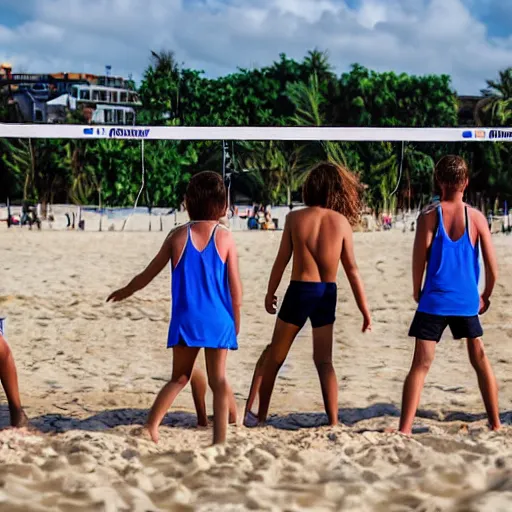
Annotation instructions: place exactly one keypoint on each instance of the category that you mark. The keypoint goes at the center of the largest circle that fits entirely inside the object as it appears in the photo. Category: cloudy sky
(469, 39)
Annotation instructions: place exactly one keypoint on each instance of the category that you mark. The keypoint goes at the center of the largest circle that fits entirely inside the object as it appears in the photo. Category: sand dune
(89, 371)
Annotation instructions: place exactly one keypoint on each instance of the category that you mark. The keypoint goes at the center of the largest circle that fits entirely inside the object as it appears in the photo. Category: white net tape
(22, 131)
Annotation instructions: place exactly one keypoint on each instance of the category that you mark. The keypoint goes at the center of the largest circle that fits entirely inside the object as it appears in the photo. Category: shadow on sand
(56, 423)
(103, 420)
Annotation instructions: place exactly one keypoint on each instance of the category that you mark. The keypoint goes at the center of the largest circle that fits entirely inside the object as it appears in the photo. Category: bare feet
(202, 421)
(233, 417)
(392, 430)
(146, 432)
(18, 418)
(153, 432)
(233, 420)
(251, 420)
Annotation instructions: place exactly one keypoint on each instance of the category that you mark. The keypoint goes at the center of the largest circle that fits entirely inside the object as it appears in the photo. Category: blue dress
(202, 310)
(451, 284)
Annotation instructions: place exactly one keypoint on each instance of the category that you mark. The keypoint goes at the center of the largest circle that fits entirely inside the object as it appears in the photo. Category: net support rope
(143, 184)
(315, 133)
(143, 178)
(400, 170)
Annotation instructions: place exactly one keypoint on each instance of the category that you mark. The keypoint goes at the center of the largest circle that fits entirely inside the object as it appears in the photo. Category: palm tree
(160, 88)
(317, 63)
(164, 62)
(20, 160)
(277, 165)
(496, 106)
(308, 101)
(408, 163)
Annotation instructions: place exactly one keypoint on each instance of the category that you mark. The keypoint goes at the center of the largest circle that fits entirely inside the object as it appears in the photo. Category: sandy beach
(89, 371)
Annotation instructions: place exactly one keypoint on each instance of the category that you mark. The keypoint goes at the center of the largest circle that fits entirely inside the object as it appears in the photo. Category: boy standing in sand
(447, 244)
(9, 378)
(206, 299)
(318, 237)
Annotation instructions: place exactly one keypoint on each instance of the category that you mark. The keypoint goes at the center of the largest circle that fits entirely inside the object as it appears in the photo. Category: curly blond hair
(333, 186)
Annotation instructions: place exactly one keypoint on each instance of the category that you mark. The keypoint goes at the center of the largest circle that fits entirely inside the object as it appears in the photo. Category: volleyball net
(257, 133)
(108, 166)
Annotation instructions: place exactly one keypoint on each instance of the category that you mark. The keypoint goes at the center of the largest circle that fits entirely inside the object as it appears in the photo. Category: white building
(109, 105)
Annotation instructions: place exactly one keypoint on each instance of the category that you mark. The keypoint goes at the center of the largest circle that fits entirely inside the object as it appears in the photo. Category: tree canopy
(286, 93)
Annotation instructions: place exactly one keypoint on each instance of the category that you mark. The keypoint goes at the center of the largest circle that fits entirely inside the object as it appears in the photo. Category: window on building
(85, 94)
(107, 113)
(123, 97)
(119, 116)
(113, 96)
(103, 95)
(95, 95)
(130, 118)
(38, 116)
(74, 92)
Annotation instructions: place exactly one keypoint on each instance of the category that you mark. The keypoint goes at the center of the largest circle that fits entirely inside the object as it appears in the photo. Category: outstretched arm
(348, 260)
(235, 283)
(490, 263)
(141, 280)
(282, 259)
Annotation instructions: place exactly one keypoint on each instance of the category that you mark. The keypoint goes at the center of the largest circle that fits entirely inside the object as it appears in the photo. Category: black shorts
(431, 327)
(303, 300)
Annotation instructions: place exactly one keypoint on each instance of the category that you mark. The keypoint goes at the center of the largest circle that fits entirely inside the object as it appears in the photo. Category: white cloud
(417, 36)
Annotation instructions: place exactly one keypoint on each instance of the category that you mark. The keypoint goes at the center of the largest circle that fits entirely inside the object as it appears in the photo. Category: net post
(101, 210)
(8, 213)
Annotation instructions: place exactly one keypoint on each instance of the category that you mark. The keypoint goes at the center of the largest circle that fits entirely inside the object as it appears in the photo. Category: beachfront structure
(99, 104)
(48, 98)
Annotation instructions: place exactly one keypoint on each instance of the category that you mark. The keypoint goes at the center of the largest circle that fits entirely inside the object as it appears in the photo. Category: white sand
(89, 371)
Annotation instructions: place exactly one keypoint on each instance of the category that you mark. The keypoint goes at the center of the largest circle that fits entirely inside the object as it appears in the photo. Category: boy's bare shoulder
(427, 220)
(477, 216)
(428, 216)
(430, 209)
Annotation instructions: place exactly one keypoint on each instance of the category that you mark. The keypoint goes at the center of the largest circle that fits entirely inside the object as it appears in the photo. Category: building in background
(53, 98)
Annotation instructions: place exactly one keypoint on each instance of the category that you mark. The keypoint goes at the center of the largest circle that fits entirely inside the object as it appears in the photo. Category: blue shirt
(202, 309)
(451, 283)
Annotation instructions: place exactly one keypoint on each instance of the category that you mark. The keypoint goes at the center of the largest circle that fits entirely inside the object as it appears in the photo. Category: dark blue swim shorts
(303, 300)
(431, 327)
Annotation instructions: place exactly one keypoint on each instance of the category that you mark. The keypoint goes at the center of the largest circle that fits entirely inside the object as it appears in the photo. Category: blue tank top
(202, 309)
(453, 270)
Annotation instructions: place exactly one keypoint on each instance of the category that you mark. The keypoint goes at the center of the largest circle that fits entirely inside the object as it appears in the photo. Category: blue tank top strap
(468, 225)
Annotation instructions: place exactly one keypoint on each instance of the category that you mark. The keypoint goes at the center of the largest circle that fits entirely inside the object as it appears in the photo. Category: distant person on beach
(25, 213)
(260, 216)
(269, 222)
(317, 237)
(9, 378)
(447, 243)
(252, 221)
(206, 299)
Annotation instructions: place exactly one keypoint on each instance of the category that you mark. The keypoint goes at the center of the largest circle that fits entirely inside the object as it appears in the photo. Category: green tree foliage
(285, 93)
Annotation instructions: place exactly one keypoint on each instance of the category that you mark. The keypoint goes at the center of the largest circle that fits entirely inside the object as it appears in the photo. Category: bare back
(200, 234)
(317, 236)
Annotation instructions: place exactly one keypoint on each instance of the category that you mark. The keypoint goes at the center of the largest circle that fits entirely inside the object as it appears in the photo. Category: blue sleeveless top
(202, 311)
(451, 284)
